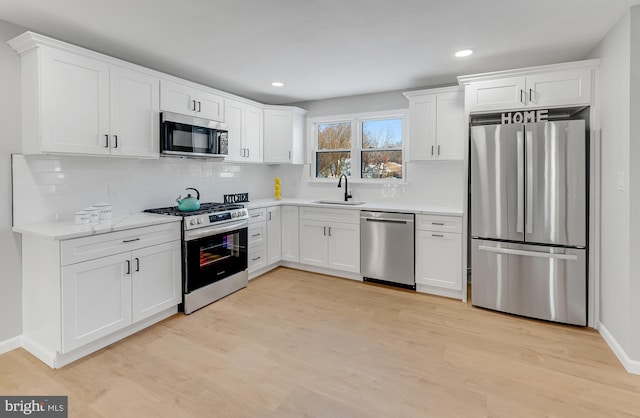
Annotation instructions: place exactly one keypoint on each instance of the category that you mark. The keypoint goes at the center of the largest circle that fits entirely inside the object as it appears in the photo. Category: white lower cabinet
(274, 234)
(439, 252)
(330, 238)
(257, 239)
(290, 237)
(85, 293)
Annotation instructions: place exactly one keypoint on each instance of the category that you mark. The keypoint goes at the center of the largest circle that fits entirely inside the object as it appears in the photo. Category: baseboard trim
(630, 365)
(10, 344)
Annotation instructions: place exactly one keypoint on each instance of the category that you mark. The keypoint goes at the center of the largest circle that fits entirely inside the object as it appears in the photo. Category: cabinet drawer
(257, 215)
(102, 245)
(257, 257)
(256, 233)
(349, 216)
(439, 223)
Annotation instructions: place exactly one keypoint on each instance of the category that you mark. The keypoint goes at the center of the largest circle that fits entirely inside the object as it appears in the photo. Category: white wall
(633, 185)
(10, 276)
(620, 242)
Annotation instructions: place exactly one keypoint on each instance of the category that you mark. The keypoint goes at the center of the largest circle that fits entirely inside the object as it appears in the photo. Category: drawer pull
(437, 223)
(437, 235)
(255, 235)
(257, 215)
(131, 240)
(256, 259)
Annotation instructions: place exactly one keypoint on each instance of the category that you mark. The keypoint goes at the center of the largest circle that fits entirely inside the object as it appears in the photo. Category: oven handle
(214, 230)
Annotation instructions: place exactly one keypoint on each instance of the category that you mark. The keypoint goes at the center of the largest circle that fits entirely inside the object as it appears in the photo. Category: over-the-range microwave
(189, 136)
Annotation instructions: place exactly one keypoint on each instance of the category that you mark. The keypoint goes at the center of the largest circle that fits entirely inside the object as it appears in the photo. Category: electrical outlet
(621, 180)
(113, 190)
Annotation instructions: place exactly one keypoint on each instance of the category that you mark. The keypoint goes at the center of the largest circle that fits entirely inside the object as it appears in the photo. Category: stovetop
(204, 209)
(208, 214)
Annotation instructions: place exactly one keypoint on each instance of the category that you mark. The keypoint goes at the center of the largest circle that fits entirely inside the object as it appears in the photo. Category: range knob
(234, 215)
(200, 220)
(192, 222)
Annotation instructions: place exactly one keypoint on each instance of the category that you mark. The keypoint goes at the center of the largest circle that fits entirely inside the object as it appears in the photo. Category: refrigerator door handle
(511, 251)
(529, 176)
(520, 184)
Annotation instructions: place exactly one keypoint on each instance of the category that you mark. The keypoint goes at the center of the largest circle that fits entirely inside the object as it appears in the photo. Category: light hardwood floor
(297, 344)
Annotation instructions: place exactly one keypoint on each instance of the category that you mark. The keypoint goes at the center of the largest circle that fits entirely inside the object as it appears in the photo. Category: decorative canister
(94, 213)
(82, 217)
(105, 210)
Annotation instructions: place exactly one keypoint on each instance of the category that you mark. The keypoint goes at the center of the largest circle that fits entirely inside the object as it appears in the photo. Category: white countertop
(68, 229)
(418, 208)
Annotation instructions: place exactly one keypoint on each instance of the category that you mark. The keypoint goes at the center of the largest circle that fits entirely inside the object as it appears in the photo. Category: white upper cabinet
(436, 126)
(567, 84)
(189, 100)
(284, 134)
(245, 125)
(76, 103)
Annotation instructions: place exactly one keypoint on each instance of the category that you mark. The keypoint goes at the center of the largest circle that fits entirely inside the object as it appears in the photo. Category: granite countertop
(62, 230)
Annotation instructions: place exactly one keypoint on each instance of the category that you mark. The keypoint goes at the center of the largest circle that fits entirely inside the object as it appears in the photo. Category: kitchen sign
(524, 117)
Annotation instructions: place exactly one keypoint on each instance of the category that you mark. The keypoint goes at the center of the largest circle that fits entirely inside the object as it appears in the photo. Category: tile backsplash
(47, 188)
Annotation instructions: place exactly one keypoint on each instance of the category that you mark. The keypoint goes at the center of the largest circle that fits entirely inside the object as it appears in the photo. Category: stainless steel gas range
(214, 252)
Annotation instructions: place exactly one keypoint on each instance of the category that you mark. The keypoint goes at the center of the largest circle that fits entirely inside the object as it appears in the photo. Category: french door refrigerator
(529, 219)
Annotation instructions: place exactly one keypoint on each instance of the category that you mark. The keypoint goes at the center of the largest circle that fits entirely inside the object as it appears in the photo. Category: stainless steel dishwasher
(387, 248)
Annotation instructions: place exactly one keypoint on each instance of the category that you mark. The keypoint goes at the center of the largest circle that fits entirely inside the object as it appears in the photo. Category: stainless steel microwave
(188, 136)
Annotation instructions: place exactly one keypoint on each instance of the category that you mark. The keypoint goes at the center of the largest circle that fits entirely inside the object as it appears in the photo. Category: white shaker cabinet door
(134, 113)
(290, 239)
(278, 136)
(422, 139)
(274, 234)
(313, 243)
(439, 259)
(177, 98)
(157, 279)
(502, 94)
(96, 299)
(235, 114)
(75, 104)
(450, 122)
(209, 106)
(253, 133)
(344, 247)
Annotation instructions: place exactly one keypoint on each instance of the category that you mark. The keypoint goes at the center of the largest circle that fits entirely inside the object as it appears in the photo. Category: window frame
(356, 120)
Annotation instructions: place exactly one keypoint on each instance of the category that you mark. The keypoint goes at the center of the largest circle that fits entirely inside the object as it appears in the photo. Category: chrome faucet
(347, 195)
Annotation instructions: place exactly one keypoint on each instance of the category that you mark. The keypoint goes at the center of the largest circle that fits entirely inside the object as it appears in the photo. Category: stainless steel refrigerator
(529, 219)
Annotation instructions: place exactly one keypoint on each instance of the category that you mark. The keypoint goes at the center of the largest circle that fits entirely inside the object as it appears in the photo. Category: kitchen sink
(339, 202)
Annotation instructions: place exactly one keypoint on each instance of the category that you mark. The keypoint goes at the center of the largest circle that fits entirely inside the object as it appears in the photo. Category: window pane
(385, 133)
(333, 164)
(381, 164)
(334, 135)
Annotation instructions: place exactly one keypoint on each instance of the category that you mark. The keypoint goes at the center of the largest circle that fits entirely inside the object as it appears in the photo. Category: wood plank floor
(297, 344)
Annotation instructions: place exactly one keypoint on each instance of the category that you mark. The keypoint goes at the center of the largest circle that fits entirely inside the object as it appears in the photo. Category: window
(381, 155)
(365, 146)
(333, 157)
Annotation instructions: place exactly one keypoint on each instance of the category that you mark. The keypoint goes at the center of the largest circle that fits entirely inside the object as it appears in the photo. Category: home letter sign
(525, 117)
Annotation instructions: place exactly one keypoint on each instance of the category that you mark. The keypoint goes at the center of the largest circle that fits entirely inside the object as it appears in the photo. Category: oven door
(212, 254)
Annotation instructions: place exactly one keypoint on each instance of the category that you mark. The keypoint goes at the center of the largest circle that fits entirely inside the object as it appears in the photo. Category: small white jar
(82, 217)
(94, 213)
(105, 210)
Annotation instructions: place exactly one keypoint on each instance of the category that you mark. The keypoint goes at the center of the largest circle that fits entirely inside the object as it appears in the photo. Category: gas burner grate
(211, 207)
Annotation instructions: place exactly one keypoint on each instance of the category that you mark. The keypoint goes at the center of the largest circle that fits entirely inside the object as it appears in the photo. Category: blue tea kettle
(189, 203)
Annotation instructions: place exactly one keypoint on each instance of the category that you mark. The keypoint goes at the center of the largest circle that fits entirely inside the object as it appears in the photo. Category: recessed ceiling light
(464, 53)
(277, 84)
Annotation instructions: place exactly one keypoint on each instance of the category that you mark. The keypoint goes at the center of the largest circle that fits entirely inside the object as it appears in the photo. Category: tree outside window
(333, 157)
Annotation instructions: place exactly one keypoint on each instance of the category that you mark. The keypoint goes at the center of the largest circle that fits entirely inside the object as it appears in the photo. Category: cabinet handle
(531, 96)
(432, 150)
(137, 264)
(269, 215)
(194, 105)
(255, 235)
(199, 107)
(329, 231)
(437, 223)
(256, 259)
(131, 240)
(115, 137)
(128, 267)
(257, 215)
(248, 153)
(438, 149)
(289, 154)
(106, 137)
(437, 235)
(521, 96)
(325, 231)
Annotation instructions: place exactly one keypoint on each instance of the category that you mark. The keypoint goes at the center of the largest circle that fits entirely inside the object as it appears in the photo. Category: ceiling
(324, 48)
